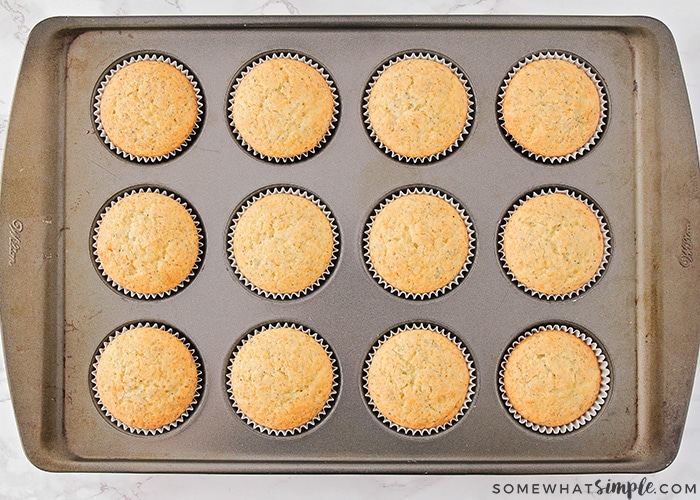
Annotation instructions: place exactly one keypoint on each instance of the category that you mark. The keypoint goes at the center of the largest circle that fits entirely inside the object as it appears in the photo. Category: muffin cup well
(607, 242)
(283, 55)
(602, 94)
(150, 189)
(591, 412)
(97, 99)
(319, 416)
(471, 389)
(297, 192)
(432, 191)
(456, 70)
(188, 411)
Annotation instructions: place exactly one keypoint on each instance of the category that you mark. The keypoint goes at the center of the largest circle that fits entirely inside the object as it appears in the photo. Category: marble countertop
(20, 479)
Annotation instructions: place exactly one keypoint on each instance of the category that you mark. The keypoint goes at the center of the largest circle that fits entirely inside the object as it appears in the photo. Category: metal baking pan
(643, 173)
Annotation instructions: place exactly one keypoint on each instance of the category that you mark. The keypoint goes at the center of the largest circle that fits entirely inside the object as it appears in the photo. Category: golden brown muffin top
(147, 243)
(552, 378)
(146, 378)
(553, 244)
(418, 379)
(283, 108)
(418, 243)
(148, 108)
(551, 107)
(418, 107)
(283, 243)
(281, 378)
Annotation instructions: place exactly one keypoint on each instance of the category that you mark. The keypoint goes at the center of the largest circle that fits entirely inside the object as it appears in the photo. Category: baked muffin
(418, 379)
(281, 378)
(551, 377)
(551, 107)
(553, 244)
(418, 108)
(148, 108)
(418, 243)
(147, 243)
(146, 378)
(282, 243)
(283, 107)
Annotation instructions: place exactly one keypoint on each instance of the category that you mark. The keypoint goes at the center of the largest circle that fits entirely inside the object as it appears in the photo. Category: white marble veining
(20, 479)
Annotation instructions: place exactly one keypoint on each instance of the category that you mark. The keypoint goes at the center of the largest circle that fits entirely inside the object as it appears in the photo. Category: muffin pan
(642, 173)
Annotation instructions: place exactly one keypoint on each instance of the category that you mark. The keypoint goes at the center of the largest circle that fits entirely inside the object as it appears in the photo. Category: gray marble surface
(20, 479)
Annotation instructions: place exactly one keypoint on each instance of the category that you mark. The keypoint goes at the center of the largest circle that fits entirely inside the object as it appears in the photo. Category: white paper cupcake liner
(284, 55)
(131, 293)
(605, 382)
(602, 94)
(428, 190)
(470, 110)
(471, 389)
(188, 411)
(297, 192)
(319, 416)
(148, 57)
(607, 242)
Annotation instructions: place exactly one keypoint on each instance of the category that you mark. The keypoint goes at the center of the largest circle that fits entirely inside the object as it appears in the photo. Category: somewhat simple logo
(16, 227)
(686, 257)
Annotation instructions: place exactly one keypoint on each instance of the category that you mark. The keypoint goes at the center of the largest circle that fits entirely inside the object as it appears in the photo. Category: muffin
(552, 377)
(148, 108)
(146, 378)
(147, 243)
(283, 107)
(552, 107)
(418, 379)
(283, 243)
(418, 107)
(282, 379)
(554, 244)
(419, 243)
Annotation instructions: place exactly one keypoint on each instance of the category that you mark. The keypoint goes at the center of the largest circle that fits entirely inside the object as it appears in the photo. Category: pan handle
(668, 246)
(31, 223)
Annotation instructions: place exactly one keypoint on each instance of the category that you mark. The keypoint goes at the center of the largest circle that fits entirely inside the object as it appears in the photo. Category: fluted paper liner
(607, 242)
(428, 190)
(200, 252)
(293, 191)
